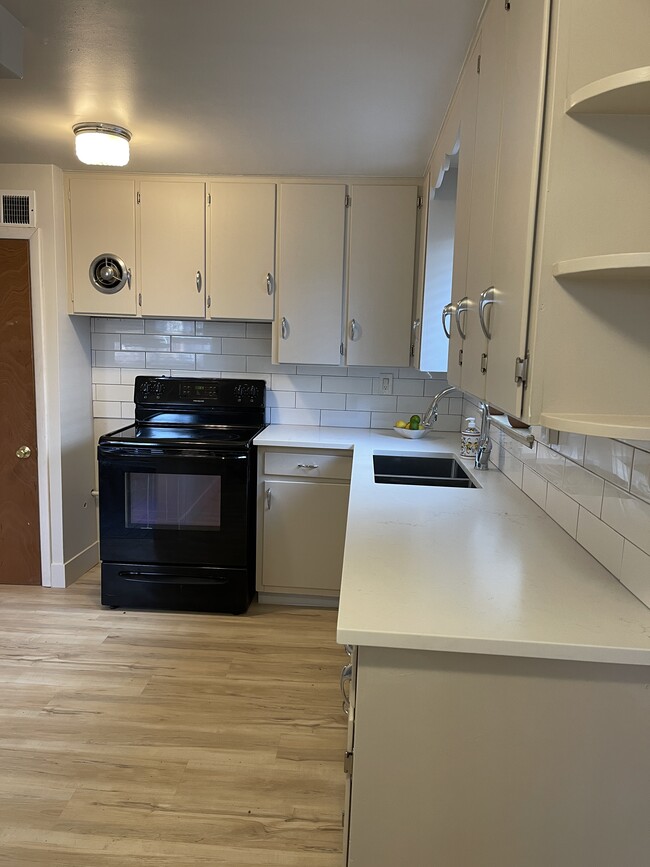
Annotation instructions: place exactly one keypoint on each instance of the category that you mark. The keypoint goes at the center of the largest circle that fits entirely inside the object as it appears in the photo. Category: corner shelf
(629, 427)
(618, 266)
(623, 93)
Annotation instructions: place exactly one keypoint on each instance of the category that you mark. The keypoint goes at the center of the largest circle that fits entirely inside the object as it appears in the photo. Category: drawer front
(310, 465)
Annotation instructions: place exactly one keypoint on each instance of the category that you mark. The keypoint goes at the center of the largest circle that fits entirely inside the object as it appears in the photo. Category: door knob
(23, 452)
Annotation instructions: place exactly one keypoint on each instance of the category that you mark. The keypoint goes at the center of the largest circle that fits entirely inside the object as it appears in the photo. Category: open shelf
(619, 266)
(623, 93)
(630, 427)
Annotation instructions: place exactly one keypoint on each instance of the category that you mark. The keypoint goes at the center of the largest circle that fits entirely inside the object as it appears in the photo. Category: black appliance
(177, 497)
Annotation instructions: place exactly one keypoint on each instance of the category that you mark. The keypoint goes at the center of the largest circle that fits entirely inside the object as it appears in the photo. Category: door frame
(45, 510)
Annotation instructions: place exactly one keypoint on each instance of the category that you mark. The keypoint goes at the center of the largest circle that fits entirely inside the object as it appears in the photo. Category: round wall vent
(108, 273)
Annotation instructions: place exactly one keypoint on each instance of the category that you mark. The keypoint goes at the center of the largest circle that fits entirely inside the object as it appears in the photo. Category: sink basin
(439, 471)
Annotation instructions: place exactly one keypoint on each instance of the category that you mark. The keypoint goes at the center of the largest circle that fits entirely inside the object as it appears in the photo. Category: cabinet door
(380, 274)
(304, 535)
(311, 231)
(172, 248)
(241, 265)
(484, 183)
(101, 221)
(526, 27)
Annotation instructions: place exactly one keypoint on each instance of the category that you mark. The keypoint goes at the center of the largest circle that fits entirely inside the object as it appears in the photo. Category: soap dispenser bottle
(469, 439)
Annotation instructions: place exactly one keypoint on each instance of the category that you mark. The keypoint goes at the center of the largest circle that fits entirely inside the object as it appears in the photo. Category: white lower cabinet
(303, 504)
(468, 760)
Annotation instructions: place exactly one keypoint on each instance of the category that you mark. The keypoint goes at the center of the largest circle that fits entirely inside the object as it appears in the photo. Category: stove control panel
(186, 391)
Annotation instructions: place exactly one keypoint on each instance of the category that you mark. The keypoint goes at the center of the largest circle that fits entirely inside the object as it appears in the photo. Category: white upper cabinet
(383, 220)
(241, 250)
(101, 246)
(171, 234)
(311, 234)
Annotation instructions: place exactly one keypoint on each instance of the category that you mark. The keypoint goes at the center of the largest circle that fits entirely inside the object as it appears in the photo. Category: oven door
(166, 506)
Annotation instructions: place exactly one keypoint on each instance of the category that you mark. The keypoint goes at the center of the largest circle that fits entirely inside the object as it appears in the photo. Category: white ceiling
(278, 87)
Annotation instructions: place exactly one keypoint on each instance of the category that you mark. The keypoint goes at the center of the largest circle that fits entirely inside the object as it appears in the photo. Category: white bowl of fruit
(413, 429)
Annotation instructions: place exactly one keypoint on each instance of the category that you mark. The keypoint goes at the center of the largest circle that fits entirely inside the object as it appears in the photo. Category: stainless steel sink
(439, 471)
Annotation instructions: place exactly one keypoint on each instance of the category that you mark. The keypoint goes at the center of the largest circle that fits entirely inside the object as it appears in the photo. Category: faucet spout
(431, 415)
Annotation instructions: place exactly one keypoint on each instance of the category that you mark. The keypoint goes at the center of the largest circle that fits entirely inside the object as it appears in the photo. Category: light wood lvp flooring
(152, 739)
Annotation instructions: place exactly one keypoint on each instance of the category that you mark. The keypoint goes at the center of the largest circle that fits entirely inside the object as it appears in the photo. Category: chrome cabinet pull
(447, 311)
(267, 494)
(199, 281)
(269, 284)
(463, 306)
(128, 278)
(353, 329)
(284, 328)
(307, 466)
(486, 300)
(346, 677)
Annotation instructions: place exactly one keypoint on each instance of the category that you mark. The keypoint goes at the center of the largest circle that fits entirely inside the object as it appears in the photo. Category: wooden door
(20, 559)
(383, 220)
(241, 269)
(311, 235)
(172, 249)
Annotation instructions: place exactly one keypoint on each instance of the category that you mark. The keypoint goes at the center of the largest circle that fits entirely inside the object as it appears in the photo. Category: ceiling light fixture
(101, 144)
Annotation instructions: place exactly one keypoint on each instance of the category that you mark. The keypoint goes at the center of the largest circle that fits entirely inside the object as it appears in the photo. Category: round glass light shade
(102, 145)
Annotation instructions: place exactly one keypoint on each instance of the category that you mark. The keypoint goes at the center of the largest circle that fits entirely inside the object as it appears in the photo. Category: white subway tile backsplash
(107, 409)
(571, 446)
(102, 340)
(320, 370)
(127, 376)
(119, 359)
(246, 346)
(383, 420)
(628, 515)
(563, 510)
(258, 329)
(260, 364)
(283, 382)
(118, 326)
(610, 459)
(601, 541)
(277, 399)
(535, 487)
(295, 416)
(177, 360)
(348, 384)
(641, 475)
(220, 362)
(319, 400)
(108, 375)
(584, 487)
(334, 418)
(169, 326)
(146, 342)
(128, 410)
(221, 329)
(412, 387)
(373, 402)
(208, 345)
(549, 464)
(113, 392)
(635, 572)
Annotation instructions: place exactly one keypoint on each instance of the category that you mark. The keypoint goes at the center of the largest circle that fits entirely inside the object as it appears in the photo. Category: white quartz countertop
(480, 570)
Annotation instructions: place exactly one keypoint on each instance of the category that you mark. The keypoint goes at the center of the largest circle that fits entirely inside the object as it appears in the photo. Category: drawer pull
(346, 678)
(307, 466)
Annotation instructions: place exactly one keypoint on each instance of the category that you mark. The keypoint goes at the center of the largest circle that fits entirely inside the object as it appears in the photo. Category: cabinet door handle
(307, 466)
(353, 329)
(199, 281)
(267, 495)
(346, 677)
(284, 328)
(463, 307)
(447, 311)
(128, 278)
(487, 299)
(269, 284)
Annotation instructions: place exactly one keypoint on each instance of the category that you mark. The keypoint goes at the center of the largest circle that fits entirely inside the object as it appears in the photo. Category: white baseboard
(295, 599)
(80, 564)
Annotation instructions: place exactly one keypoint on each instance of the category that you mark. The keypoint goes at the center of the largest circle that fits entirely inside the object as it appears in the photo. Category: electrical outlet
(385, 383)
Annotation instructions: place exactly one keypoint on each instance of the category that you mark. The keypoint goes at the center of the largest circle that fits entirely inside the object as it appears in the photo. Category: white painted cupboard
(101, 226)
(171, 247)
(493, 761)
(241, 250)
(302, 514)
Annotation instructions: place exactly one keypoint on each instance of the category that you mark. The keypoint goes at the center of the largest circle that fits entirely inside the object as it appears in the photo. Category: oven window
(173, 501)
